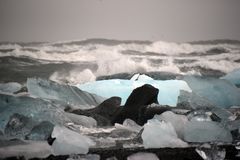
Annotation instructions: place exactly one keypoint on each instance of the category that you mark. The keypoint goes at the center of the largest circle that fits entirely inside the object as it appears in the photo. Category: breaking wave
(112, 57)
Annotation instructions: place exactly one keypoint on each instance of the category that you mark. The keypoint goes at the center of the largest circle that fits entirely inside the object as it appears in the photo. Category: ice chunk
(69, 142)
(34, 108)
(190, 100)
(199, 115)
(220, 92)
(233, 77)
(10, 87)
(84, 157)
(82, 120)
(168, 90)
(143, 156)
(206, 131)
(18, 126)
(213, 153)
(177, 121)
(41, 131)
(131, 125)
(68, 94)
(160, 134)
(28, 149)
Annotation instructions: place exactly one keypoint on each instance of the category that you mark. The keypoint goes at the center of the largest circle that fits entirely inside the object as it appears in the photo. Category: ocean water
(82, 61)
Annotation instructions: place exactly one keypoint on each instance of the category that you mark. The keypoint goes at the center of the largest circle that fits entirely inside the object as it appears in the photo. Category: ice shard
(65, 93)
(219, 92)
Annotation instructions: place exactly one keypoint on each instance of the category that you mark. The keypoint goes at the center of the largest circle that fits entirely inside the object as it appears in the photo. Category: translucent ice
(177, 121)
(142, 156)
(220, 92)
(190, 100)
(82, 120)
(233, 77)
(65, 93)
(28, 149)
(10, 87)
(206, 131)
(69, 142)
(33, 108)
(160, 134)
(168, 90)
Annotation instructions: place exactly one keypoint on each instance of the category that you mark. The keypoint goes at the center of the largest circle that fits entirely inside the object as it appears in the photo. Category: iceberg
(233, 77)
(69, 142)
(64, 93)
(168, 89)
(220, 93)
(206, 131)
(160, 134)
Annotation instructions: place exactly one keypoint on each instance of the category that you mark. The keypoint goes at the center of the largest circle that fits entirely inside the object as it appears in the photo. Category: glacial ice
(10, 87)
(143, 156)
(190, 100)
(33, 109)
(206, 131)
(212, 153)
(28, 149)
(168, 90)
(160, 134)
(64, 93)
(82, 120)
(69, 142)
(177, 121)
(220, 92)
(233, 77)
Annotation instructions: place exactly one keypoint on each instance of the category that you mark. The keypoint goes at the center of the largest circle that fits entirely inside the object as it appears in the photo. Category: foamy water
(107, 57)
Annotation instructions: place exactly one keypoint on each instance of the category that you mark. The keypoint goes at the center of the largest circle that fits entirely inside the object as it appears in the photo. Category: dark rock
(103, 113)
(144, 95)
(50, 140)
(135, 106)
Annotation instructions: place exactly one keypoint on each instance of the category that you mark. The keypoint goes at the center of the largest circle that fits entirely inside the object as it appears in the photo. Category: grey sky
(170, 20)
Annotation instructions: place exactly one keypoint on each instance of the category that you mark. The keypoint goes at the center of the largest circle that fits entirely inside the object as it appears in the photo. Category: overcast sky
(170, 20)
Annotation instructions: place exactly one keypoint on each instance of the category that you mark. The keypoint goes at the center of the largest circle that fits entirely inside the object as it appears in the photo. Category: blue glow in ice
(168, 90)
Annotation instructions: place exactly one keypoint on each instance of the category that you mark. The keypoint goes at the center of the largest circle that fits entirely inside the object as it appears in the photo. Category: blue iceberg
(169, 90)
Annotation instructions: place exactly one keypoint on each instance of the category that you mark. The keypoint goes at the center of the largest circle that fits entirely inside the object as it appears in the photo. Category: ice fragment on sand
(160, 134)
(142, 156)
(69, 142)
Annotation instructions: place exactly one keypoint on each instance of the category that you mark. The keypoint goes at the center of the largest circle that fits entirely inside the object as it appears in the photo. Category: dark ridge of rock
(144, 95)
(103, 113)
(107, 108)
